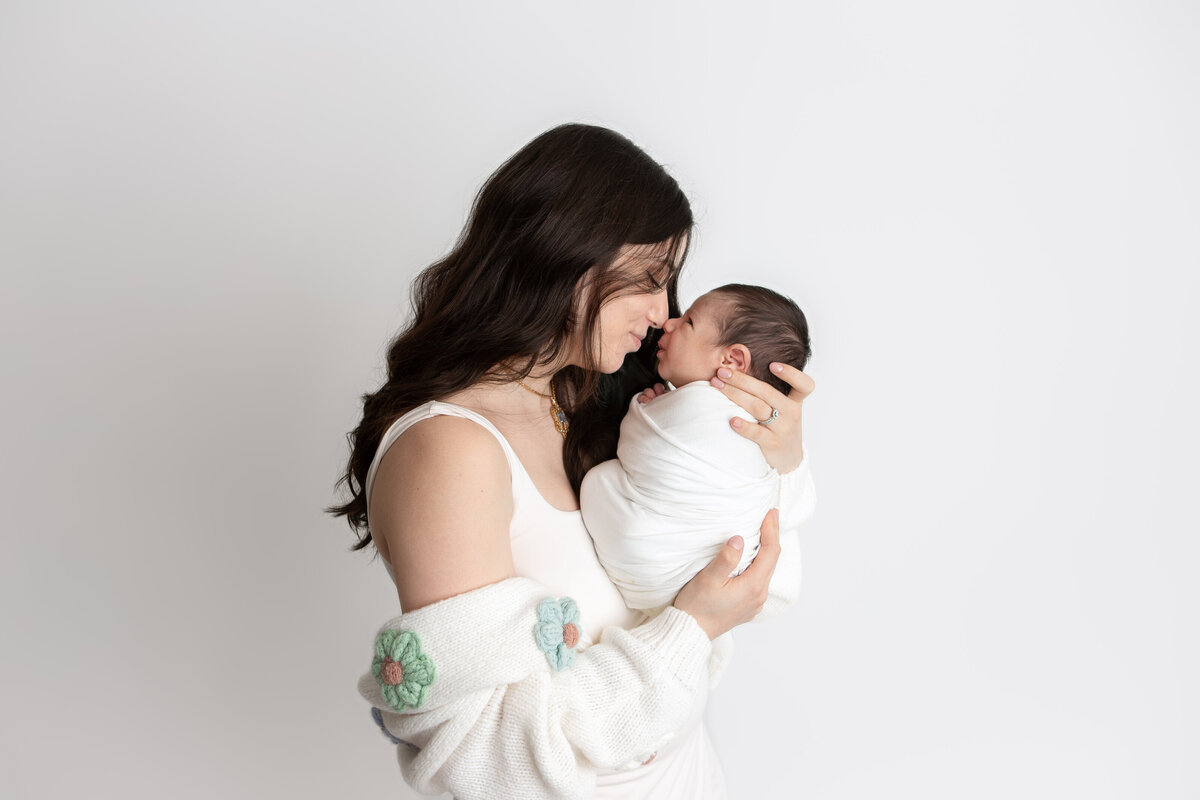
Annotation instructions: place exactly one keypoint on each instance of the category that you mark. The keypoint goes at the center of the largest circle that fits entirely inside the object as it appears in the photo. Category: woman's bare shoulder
(441, 436)
(441, 506)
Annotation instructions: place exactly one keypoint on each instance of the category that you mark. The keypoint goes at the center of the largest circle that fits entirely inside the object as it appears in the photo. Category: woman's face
(626, 316)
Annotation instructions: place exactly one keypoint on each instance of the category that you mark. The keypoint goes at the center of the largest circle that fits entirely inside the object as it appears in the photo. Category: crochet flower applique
(557, 631)
(401, 669)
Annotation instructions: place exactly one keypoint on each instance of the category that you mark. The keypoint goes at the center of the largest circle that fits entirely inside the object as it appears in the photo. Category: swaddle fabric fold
(683, 482)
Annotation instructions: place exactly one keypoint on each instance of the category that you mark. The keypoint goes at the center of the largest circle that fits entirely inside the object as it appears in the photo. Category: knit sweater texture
(500, 721)
(503, 718)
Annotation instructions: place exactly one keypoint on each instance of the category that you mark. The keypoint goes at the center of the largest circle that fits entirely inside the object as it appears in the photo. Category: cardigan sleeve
(797, 500)
(483, 698)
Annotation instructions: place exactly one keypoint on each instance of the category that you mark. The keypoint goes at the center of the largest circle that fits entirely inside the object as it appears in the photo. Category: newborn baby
(683, 481)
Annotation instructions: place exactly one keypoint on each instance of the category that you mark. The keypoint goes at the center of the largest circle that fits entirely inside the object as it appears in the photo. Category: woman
(528, 341)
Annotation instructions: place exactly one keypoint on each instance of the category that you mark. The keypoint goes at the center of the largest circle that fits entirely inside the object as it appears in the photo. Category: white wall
(209, 217)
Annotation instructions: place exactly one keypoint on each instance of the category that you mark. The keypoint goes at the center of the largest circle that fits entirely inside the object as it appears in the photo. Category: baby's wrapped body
(683, 482)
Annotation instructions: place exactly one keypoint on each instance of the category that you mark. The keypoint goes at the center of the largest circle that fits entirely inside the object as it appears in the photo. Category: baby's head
(741, 327)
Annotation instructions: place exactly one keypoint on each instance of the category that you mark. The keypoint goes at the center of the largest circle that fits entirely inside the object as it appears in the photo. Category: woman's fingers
(719, 603)
(737, 386)
(779, 436)
(725, 561)
(754, 405)
(757, 576)
(763, 392)
(802, 385)
(759, 434)
(767, 556)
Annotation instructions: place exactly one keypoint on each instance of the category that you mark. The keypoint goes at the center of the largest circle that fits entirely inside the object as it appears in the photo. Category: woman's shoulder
(443, 451)
(442, 504)
(442, 435)
(432, 430)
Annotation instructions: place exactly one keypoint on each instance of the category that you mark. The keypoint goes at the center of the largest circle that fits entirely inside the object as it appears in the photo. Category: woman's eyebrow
(645, 261)
(660, 267)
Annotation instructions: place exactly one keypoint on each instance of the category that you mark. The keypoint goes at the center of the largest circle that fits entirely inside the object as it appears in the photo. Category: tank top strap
(436, 408)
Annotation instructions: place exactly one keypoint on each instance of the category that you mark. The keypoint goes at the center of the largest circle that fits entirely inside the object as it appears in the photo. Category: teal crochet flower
(557, 631)
(402, 671)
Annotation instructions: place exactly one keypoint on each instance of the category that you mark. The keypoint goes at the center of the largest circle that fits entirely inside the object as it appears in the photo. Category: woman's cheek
(612, 359)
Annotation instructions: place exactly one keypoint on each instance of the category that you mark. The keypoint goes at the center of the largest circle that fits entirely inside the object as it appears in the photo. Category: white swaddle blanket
(682, 483)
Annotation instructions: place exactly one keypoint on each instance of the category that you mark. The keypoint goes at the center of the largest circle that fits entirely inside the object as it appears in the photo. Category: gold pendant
(557, 414)
(561, 424)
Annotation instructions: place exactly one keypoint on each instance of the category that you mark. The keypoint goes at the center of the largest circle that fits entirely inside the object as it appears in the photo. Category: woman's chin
(608, 367)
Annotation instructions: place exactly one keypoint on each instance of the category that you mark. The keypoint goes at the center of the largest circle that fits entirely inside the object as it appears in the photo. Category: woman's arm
(490, 709)
(498, 718)
(441, 506)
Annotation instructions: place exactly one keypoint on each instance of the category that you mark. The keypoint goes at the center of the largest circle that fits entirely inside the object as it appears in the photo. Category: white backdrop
(209, 217)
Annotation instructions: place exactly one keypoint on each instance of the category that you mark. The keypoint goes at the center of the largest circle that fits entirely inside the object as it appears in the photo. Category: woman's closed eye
(654, 282)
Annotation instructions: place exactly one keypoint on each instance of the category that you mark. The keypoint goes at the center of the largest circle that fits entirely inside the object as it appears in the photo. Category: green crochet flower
(402, 671)
(557, 631)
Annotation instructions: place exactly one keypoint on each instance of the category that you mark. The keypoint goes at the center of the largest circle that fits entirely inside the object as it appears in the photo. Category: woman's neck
(539, 380)
(526, 400)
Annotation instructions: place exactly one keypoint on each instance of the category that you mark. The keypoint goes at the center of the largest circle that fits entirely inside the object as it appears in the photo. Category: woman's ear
(737, 356)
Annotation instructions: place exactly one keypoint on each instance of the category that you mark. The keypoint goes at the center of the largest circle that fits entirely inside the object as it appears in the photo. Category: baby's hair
(771, 326)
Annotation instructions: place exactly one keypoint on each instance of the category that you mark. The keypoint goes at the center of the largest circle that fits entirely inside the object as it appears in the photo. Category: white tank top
(553, 547)
(549, 545)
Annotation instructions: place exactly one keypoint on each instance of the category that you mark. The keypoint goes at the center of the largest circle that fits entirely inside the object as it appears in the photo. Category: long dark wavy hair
(543, 235)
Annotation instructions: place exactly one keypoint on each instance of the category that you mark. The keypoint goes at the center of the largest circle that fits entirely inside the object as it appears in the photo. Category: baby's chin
(684, 380)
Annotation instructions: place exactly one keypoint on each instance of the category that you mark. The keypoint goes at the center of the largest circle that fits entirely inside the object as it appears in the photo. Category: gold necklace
(561, 424)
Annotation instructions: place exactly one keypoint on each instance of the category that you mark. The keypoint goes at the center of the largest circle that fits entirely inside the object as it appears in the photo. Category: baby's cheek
(692, 373)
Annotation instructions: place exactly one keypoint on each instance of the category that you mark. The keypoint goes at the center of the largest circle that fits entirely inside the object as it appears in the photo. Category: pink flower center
(570, 634)
(393, 673)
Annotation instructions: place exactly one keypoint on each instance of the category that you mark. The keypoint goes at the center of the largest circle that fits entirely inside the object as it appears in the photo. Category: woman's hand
(781, 441)
(721, 603)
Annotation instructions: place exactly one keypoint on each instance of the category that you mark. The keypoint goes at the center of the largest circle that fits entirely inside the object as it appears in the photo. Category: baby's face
(689, 350)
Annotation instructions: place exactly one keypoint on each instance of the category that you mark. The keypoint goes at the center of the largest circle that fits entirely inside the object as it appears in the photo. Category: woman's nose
(659, 311)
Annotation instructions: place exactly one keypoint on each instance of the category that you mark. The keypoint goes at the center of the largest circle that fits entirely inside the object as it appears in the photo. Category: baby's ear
(737, 356)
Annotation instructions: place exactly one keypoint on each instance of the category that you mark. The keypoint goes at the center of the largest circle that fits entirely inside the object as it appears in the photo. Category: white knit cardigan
(498, 719)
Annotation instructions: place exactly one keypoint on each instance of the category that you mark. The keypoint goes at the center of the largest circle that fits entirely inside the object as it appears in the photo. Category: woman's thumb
(727, 560)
